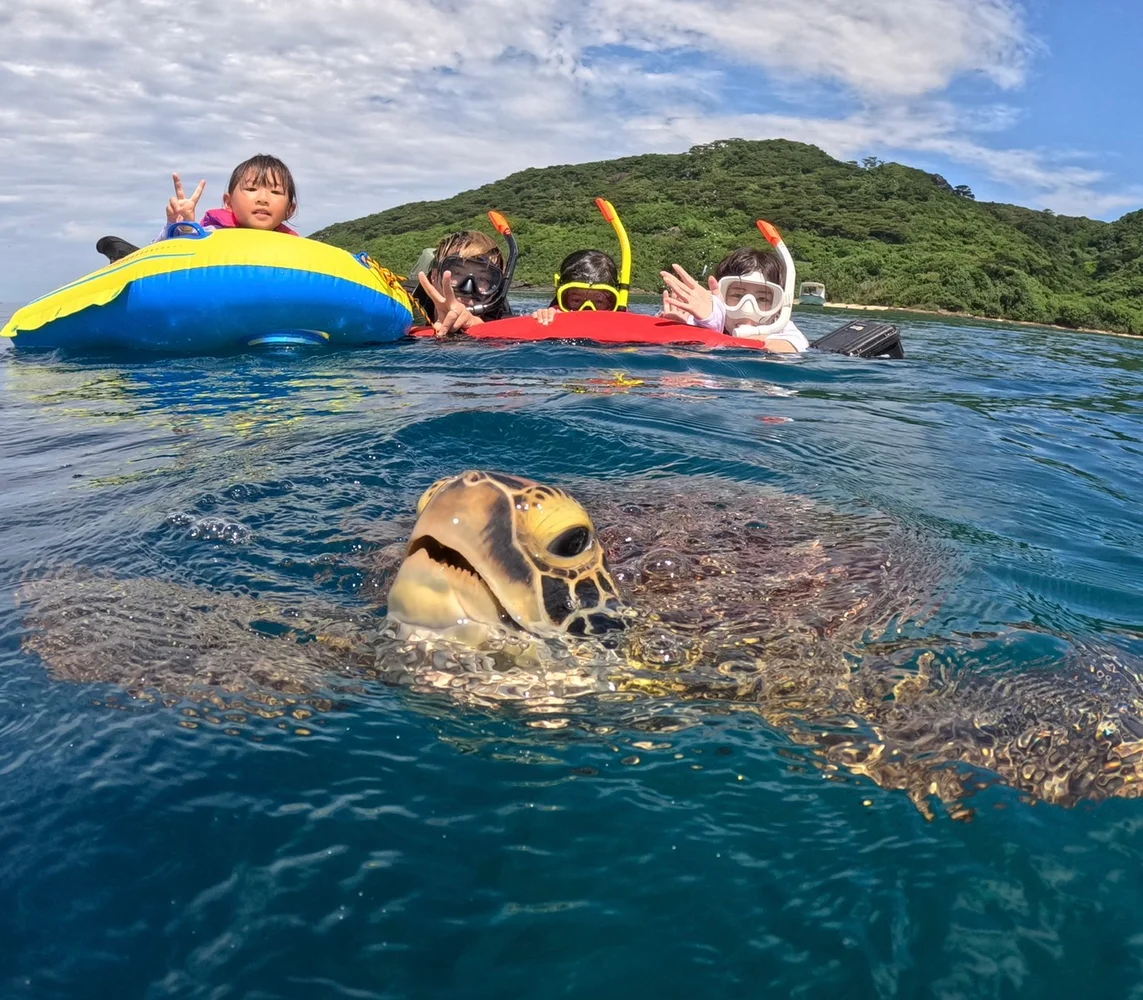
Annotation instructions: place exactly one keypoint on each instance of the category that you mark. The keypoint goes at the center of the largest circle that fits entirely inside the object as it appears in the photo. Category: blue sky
(1080, 99)
(376, 103)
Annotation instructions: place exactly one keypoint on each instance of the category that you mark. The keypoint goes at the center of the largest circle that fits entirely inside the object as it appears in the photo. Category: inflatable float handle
(185, 231)
(500, 223)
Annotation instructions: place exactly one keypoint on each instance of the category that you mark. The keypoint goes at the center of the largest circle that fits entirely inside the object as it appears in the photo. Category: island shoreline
(910, 310)
(947, 313)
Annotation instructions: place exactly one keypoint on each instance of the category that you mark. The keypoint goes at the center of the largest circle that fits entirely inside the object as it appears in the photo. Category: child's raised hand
(181, 208)
(451, 315)
(544, 316)
(669, 311)
(685, 295)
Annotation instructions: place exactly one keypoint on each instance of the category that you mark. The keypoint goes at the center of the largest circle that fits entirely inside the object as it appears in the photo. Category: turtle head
(497, 550)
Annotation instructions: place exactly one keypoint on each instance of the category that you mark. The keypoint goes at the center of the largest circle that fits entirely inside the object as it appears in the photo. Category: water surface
(402, 845)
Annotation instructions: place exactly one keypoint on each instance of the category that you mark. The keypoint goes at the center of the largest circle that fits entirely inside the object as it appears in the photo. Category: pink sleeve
(716, 321)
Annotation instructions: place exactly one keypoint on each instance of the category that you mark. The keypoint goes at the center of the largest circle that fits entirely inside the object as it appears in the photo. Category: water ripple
(395, 844)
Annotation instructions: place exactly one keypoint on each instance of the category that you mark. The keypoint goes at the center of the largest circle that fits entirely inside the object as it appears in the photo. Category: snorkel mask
(578, 296)
(756, 307)
(584, 296)
(477, 279)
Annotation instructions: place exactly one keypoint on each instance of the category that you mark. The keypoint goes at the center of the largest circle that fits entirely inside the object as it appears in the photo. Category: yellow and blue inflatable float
(216, 291)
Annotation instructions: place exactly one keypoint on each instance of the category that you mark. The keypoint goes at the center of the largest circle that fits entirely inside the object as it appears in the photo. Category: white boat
(812, 293)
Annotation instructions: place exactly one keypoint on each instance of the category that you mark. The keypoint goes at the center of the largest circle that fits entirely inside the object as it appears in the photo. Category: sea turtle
(689, 592)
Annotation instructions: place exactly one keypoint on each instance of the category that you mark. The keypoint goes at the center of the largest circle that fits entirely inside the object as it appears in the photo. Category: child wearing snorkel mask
(749, 295)
(587, 281)
(464, 284)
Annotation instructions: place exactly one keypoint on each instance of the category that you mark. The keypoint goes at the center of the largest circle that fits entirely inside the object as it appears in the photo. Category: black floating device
(861, 338)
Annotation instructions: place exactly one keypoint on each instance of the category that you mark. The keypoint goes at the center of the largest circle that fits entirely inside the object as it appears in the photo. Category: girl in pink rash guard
(261, 195)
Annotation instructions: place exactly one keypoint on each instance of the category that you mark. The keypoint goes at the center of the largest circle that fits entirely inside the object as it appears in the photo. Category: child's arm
(779, 346)
(686, 296)
(788, 340)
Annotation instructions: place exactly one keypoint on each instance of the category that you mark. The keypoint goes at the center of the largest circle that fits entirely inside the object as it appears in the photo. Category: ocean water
(400, 844)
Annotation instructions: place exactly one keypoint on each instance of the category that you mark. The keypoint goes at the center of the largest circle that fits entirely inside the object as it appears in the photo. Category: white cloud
(877, 47)
(376, 104)
(928, 128)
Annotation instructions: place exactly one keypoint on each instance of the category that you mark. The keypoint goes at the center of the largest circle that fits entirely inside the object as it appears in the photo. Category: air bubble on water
(664, 564)
(211, 529)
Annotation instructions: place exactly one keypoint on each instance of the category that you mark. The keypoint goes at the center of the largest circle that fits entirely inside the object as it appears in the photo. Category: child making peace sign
(261, 195)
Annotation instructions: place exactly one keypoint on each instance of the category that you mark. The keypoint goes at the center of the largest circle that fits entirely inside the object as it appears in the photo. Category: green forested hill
(878, 233)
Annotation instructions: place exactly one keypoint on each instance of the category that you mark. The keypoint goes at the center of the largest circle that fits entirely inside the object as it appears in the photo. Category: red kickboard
(602, 328)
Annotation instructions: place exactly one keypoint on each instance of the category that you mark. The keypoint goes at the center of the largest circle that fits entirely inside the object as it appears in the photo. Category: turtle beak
(462, 566)
(437, 588)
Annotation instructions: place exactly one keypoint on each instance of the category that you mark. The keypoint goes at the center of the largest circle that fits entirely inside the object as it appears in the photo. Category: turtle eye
(573, 542)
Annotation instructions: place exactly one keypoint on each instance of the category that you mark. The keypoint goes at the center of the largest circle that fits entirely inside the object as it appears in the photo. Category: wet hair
(266, 169)
(593, 267)
(747, 260)
(470, 243)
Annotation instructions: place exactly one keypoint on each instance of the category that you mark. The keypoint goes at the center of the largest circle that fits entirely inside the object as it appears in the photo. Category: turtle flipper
(148, 635)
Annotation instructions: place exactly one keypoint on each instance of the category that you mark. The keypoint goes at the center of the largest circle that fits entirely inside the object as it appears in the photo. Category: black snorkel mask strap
(501, 293)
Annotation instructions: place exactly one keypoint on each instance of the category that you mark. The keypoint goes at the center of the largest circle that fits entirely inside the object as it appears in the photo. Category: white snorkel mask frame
(778, 315)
